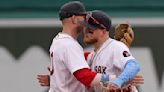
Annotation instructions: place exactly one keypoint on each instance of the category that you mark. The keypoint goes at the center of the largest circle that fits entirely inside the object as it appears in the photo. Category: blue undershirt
(129, 72)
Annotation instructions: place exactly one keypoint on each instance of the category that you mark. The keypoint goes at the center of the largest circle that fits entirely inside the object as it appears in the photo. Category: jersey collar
(105, 44)
(63, 35)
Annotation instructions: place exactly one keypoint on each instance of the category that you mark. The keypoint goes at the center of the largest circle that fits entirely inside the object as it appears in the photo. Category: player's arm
(124, 33)
(124, 61)
(44, 80)
(89, 78)
(130, 71)
(136, 81)
(75, 62)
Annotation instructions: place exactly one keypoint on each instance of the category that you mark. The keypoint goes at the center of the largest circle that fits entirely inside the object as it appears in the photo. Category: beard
(79, 29)
(89, 41)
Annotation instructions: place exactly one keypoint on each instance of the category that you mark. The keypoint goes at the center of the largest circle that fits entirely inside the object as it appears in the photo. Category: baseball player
(78, 69)
(69, 72)
(109, 56)
(127, 38)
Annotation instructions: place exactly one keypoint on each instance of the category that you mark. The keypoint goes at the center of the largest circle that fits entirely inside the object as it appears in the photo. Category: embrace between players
(110, 67)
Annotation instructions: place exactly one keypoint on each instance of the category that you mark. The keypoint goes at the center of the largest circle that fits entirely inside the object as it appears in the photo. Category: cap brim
(85, 24)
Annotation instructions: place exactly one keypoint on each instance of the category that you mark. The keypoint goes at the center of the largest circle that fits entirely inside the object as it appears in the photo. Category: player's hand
(114, 88)
(110, 87)
(43, 80)
(137, 80)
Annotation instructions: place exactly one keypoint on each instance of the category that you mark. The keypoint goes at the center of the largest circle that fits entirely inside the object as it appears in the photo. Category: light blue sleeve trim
(129, 72)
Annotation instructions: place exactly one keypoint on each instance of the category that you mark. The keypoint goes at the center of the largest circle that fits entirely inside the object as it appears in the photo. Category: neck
(70, 31)
(100, 42)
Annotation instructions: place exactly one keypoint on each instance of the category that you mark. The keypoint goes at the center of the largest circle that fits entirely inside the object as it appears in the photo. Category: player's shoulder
(65, 42)
(118, 44)
(60, 46)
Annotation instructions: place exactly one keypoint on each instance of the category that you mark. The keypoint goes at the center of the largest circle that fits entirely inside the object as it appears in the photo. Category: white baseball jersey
(109, 59)
(66, 58)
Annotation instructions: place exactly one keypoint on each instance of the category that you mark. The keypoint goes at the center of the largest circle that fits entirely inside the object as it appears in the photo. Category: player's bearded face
(79, 27)
(89, 37)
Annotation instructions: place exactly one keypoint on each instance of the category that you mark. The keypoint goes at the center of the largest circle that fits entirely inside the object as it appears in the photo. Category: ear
(73, 19)
(104, 31)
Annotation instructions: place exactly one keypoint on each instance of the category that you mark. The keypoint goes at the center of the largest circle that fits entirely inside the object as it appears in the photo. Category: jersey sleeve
(74, 58)
(121, 55)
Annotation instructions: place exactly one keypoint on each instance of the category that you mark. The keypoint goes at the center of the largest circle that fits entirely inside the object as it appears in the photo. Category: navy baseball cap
(72, 8)
(97, 19)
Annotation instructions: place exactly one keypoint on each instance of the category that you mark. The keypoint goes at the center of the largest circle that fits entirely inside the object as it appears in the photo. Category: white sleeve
(74, 58)
(121, 55)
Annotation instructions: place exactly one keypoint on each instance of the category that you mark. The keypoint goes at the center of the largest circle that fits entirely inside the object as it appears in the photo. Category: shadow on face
(77, 20)
(90, 36)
